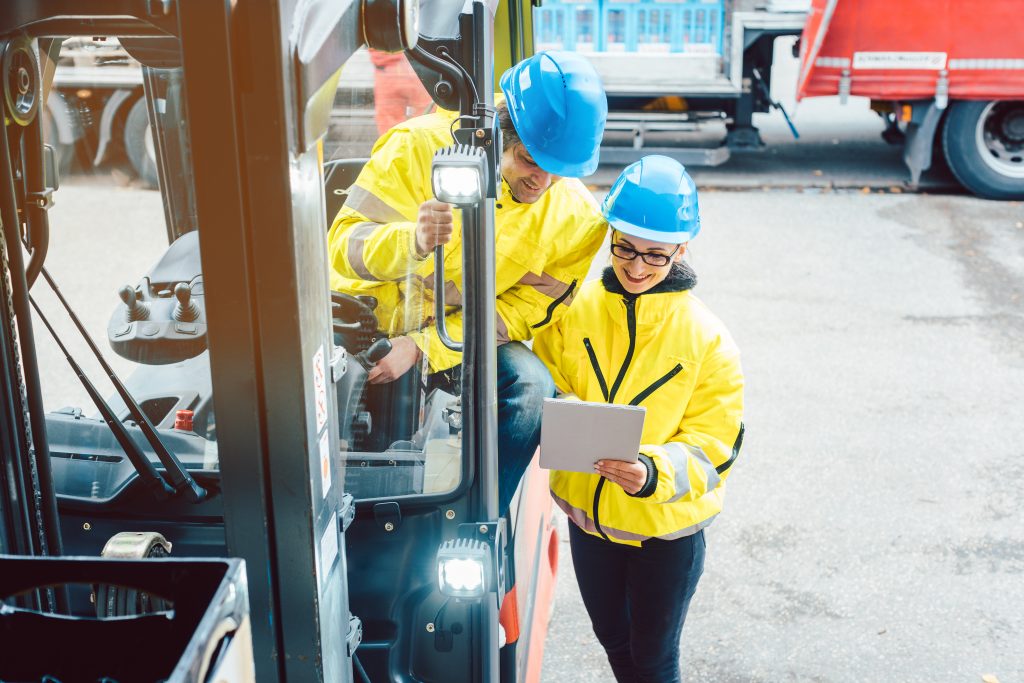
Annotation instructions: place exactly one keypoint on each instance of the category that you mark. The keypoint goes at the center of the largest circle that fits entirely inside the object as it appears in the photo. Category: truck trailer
(947, 77)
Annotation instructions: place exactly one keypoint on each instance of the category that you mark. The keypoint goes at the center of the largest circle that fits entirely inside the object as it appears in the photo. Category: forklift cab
(239, 423)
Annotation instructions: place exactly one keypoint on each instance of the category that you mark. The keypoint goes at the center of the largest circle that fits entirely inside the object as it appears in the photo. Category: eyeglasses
(649, 257)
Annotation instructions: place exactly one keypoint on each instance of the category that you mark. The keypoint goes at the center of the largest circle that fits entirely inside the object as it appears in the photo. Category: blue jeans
(637, 599)
(523, 384)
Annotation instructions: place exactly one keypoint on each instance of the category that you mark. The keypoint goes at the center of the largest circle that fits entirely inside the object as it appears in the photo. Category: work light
(459, 175)
(464, 568)
(391, 25)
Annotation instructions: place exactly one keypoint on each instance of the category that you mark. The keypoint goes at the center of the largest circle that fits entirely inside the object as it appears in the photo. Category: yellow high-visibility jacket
(666, 351)
(543, 250)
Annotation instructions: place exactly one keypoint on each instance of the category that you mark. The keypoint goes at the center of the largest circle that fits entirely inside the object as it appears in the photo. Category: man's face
(527, 180)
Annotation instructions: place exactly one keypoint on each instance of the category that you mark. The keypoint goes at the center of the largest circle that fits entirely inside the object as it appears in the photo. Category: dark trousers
(637, 599)
(523, 384)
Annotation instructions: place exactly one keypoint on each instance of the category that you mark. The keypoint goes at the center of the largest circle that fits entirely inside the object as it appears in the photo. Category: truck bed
(655, 48)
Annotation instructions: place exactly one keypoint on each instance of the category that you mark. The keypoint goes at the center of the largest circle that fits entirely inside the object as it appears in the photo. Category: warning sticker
(320, 388)
(328, 547)
(899, 60)
(325, 464)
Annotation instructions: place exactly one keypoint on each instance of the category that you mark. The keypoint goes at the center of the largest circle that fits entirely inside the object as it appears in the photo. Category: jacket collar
(680, 279)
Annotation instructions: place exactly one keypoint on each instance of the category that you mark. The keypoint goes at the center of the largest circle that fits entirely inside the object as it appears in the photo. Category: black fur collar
(680, 278)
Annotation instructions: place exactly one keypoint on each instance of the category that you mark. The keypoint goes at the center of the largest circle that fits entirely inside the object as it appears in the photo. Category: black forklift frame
(259, 197)
(293, 545)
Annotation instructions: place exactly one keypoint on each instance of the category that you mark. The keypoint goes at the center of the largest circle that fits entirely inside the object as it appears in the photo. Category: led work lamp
(459, 175)
(464, 568)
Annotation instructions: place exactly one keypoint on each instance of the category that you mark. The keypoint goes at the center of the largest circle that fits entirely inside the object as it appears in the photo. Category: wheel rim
(999, 136)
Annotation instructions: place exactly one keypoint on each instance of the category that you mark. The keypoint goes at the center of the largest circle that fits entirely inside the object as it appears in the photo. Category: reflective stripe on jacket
(543, 250)
(666, 351)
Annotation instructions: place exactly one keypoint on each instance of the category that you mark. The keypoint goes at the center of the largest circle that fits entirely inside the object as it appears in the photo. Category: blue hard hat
(558, 107)
(654, 199)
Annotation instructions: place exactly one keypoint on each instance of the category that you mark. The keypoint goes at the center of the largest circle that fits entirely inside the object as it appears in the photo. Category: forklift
(373, 546)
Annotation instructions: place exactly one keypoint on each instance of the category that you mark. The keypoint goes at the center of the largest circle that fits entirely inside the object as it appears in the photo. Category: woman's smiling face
(634, 272)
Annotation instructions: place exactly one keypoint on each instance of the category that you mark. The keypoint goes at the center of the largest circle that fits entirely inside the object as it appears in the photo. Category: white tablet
(576, 434)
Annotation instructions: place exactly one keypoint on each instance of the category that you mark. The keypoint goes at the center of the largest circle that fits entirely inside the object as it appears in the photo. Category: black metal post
(16, 497)
(234, 347)
(259, 201)
(48, 525)
(480, 356)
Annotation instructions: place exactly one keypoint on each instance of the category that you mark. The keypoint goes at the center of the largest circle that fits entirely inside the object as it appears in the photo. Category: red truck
(948, 73)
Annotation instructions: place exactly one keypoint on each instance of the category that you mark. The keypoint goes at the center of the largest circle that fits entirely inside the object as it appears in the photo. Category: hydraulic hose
(179, 476)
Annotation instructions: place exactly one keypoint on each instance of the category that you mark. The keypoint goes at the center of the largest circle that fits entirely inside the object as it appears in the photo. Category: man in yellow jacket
(548, 229)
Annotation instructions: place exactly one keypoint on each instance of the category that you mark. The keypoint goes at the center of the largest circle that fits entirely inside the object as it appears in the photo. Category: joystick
(186, 310)
(376, 352)
(135, 309)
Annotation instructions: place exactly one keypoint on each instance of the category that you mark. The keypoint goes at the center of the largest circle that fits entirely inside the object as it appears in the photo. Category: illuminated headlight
(464, 568)
(459, 175)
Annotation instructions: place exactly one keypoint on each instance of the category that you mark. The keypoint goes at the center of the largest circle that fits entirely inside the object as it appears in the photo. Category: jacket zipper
(604, 392)
(597, 367)
(656, 385)
(631, 327)
(736, 446)
(554, 304)
(610, 397)
(597, 499)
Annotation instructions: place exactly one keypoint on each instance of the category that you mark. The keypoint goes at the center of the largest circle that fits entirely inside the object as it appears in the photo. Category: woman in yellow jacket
(639, 336)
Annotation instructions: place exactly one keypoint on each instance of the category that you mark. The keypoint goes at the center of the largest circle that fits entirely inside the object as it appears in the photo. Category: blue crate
(641, 26)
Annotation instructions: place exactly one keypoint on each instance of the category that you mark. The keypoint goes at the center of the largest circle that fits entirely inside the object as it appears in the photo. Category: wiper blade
(150, 477)
(181, 480)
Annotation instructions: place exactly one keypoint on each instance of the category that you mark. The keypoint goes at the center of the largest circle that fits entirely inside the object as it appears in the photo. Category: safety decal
(934, 61)
(320, 388)
(325, 464)
(328, 547)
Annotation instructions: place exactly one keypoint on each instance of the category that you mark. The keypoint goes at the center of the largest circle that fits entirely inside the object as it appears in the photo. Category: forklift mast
(240, 96)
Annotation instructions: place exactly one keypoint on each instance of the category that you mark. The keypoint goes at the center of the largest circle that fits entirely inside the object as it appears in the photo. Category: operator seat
(339, 175)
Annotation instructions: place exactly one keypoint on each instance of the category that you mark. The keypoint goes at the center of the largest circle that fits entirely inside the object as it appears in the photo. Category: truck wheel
(984, 146)
(138, 143)
(63, 154)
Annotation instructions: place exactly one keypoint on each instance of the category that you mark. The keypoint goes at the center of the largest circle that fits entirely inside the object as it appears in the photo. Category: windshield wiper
(181, 480)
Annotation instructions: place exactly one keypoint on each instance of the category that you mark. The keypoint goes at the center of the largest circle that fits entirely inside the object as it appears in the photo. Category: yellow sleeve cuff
(439, 356)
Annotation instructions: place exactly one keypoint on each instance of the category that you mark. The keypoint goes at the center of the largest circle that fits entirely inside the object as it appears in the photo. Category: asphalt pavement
(872, 529)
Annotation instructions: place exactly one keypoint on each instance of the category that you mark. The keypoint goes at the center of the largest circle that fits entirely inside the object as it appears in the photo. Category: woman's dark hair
(509, 136)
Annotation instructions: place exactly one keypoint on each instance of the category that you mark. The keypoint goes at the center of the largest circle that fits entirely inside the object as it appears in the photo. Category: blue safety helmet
(558, 107)
(654, 199)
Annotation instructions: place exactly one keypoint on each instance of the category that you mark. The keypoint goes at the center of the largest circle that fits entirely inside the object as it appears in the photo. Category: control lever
(156, 484)
(186, 310)
(374, 354)
(136, 310)
(180, 478)
(362, 422)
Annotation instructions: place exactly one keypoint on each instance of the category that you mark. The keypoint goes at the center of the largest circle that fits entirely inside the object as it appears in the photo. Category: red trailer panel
(914, 49)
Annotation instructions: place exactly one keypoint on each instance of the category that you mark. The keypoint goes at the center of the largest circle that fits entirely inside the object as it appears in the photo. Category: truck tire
(984, 147)
(63, 154)
(138, 143)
